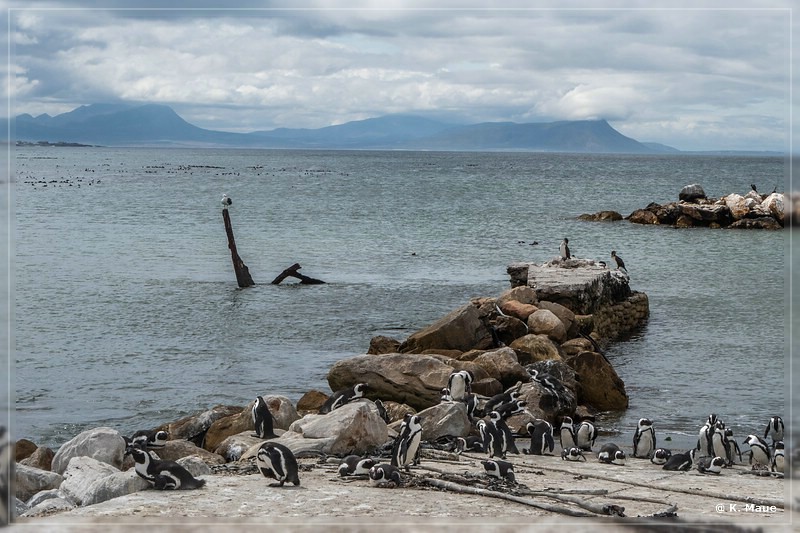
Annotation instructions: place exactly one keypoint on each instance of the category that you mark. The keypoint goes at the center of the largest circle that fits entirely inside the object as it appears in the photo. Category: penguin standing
(490, 439)
(618, 261)
(341, 397)
(507, 444)
(719, 446)
(353, 465)
(564, 249)
(778, 458)
(660, 456)
(499, 469)
(734, 453)
(710, 465)
(567, 433)
(585, 435)
(611, 454)
(278, 462)
(164, 475)
(541, 432)
(644, 439)
(385, 475)
(262, 419)
(704, 442)
(382, 411)
(759, 452)
(681, 461)
(460, 385)
(445, 397)
(405, 450)
(472, 406)
(774, 429)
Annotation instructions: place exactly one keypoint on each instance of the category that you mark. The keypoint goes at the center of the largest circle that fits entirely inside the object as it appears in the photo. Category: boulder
(382, 344)
(601, 216)
(111, 486)
(281, 408)
(174, 450)
(545, 403)
(756, 223)
(487, 387)
(643, 216)
(233, 447)
(103, 444)
(196, 466)
(354, 428)
(601, 387)
(509, 328)
(23, 449)
(81, 474)
(41, 458)
(685, 221)
(576, 346)
(448, 418)
(564, 314)
(559, 371)
(194, 427)
(522, 294)
(532, 348)
(48, 507)
(545, 322)
(706, 214)
(41, 496)
(397, 411)
(30, 480)
(736, 204)
(311, 401)
(462, 330)
(503, 365)
(298, 444)
(692, 193)
(413, 379)
(774, 204)
(516, 309)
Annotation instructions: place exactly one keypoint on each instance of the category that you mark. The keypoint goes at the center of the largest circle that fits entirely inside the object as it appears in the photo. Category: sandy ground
(324, 501)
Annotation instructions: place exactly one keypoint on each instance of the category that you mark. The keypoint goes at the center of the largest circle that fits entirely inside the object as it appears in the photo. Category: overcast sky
(695, 79)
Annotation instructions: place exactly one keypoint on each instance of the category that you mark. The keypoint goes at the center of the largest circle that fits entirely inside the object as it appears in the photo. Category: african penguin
(385, 475)
(572, 454)
(342, 397)
(644, 439)
(149, 438)
(353, 465)
(567, 433)
(541, 432)
(778, 458)
(507, 410)
(382, 411)
(710, 465)
(499, 469)
(719, 446)
(507, 444)
(585, 435)
(460, 384)
(564, 249)
(472, 405)
(619, 262)
(500, 399)
(262, 419)
(681, 461)
(774, 429)
(610, 453)
(445, 396)
(469, 444)
(704, 438)
(278, 462)
(490, 439)
(734, 453)
(405, 450)
(164, 475)
(759, 452)
(660, 456)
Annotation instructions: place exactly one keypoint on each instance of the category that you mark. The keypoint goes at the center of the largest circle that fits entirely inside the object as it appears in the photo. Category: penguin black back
(262, 419)
(164, 475)
(278, 462)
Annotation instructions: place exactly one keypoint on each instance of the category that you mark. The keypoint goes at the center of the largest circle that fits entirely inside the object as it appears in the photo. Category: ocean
(128, 313)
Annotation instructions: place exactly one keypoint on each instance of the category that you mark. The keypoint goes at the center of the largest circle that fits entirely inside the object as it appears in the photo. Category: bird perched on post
(618, 260)
(564, 249)
(226, 201)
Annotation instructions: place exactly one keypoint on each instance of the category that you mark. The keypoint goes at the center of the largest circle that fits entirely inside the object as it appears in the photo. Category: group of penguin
(564, 250)
(715, 448)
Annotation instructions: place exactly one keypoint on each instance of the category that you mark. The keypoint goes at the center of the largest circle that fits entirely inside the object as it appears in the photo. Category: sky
(714, 76)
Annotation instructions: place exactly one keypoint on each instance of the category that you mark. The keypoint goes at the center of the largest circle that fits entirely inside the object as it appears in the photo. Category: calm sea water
(128, 313)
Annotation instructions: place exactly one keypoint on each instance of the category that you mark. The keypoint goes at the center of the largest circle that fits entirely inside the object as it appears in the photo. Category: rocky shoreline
(735, 211)
(542, 338)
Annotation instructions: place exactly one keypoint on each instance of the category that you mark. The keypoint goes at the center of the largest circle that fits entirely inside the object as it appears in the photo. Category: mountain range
(160, 125)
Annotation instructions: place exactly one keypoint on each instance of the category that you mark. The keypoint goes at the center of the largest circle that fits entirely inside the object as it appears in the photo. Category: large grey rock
(462, 329)
(80, 476)
(30, 480)
(48, 507)
(503, 365)
(774, 204)
(443, 419)
(234, 447)
(196, 466)
(114, 485)
(583, 288)
(194, 427)
(41, 496)
(545, 322)
(177, 449)
(601, 387)
(103, 444)
(692, 193)
(355, 428)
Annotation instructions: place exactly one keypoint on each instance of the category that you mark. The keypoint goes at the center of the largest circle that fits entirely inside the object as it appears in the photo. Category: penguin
(446, 397)
(149, 438)
(774, 429)
(611, 454)
(507, 444)
(778, 458)
(460, 384)
(499, 469)
(278, 462)
(619, 262)
(164, 475)
(734, 453)
(709, 465)
(385, 475)
(382, 411)
(500, 399)
(490, 439)
(585, 435)
(341, 397)
(660, 456)
(564, 249)
(572, 454)
(507, 410)
(496, 342)
(405, 450)
(472, 406)
(644, 439)
(469, 444)
(353, 465)
(759, 452)
(719, 446)
(681, 461)
(262, 419)
(567, 433)
(226, 201)
(704, 444)
(541, 432)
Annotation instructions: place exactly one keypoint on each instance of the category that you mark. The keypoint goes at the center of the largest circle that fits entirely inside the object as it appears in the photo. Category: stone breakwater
(542, 337)
(694, 209)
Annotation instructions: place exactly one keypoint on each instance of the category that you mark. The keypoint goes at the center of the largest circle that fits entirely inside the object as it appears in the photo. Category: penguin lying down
(163, 475)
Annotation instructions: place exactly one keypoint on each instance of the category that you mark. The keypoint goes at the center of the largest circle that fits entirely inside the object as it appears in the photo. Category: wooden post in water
(242, 273)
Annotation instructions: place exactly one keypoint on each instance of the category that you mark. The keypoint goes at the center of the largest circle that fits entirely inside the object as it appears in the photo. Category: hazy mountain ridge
(155, 124)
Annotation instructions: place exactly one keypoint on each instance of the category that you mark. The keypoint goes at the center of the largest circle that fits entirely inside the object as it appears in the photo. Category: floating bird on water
(226, 201)
(564, 248)
(620, 263)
